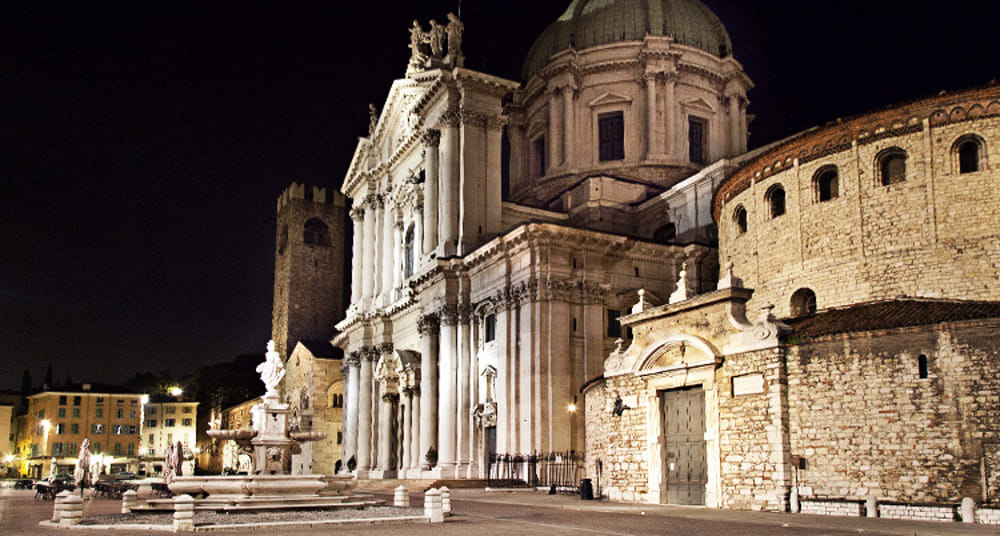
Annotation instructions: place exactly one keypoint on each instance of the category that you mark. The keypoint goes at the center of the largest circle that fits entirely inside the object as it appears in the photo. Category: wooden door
(684, 465)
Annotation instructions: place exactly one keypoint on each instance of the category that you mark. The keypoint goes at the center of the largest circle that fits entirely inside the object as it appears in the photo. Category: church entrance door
(683, 439)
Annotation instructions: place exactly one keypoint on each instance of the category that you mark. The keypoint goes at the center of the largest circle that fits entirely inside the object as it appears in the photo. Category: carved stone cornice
(479, 119)
(431, 137)
(524, 292)
(428, 325)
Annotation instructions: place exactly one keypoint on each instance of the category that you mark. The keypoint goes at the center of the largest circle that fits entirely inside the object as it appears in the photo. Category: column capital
(449, 315)
(354, 358)
(428, 324)
(451, 119)
(431, 137)
(358, 213)
(384, 348)
(370, 354)
(390, 397)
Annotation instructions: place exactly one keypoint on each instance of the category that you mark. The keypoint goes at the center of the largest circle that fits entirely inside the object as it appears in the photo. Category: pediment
(699, 104)
(609, 98)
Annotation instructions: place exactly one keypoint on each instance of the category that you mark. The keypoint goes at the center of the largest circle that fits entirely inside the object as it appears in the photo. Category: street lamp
(176, 391)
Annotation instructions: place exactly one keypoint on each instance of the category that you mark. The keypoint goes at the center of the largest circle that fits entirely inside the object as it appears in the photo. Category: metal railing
(560, 469)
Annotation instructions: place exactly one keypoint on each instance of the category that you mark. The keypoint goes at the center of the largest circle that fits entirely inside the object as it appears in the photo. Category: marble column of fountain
(270, 446)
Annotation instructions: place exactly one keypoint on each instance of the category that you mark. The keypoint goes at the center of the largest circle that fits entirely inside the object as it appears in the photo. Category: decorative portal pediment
(609, 98)
(675, 352)
(699, 104)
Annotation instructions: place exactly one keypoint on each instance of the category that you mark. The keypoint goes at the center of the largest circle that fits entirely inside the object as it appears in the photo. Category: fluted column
(416, 460)
(555, 130)
(397, 254)
(377, 239)
(389, 264)
(447, 401)
(368, 253)
(504, 400)
(418, 235)
(357, 219)
(365, 411)
(431, 173)
(569, 132)
(462, 430)
(670, 104)
(428, 327)
(448, 208)
(652, 141)
(351, 421)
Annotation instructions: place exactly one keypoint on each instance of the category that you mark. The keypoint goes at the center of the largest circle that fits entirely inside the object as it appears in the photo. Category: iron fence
(560, 469)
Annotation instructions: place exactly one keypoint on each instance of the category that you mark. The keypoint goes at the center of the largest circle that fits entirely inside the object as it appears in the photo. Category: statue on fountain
(272, 370)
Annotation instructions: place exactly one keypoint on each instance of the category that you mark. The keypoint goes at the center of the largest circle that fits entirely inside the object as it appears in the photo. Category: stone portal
(684, 462)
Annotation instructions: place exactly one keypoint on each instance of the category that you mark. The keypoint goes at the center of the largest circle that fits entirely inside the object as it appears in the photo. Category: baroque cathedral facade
(708, 325)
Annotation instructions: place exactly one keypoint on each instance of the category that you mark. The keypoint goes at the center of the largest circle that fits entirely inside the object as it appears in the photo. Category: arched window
(892, 166)
(408, 252)
(335, 395)
(826, 184)
(803, 302)
(490, 328)
(968, 150)
(316, 233)
(740, 219)
(775, 198)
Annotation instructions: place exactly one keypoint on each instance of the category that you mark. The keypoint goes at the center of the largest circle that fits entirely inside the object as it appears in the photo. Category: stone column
(418, 235)
(415, 436)
(377, 237)
(387, 416)
(502, 393)
(447, 401)
(368, 253)
(431, 173)
(652, 141)
(357, 254)
(397, 255)
(448, 207)
(519, 164)
(462, 417)
(353, 365)
(428, 327)
(569, 131)
(472, 377)
(389, 262)
(406, 406)
(555, 130)
(670, 103)
(365, 410)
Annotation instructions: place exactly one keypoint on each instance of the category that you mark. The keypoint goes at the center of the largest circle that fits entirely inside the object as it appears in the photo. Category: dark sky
(143, 144)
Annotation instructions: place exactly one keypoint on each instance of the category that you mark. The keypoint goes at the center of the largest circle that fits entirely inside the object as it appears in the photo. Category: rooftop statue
(455, 29)
(272, 370)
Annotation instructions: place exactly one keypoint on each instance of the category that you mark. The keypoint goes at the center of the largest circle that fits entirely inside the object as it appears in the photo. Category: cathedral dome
(589, 23)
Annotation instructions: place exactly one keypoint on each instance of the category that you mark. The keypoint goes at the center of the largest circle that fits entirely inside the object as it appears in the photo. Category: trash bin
(586, 490)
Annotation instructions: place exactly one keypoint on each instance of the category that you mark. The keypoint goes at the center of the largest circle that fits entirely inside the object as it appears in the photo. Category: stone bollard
(128, 501)
(72, 511)
(445, 501)
(432, 506)
(793, 501)
(871, 506)
(57, 511)
(401, 496)
(968, 511)
(183, 513)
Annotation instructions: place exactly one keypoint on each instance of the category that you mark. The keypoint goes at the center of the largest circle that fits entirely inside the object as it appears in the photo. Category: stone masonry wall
(753, 435)
(619, 442)
(866, 424)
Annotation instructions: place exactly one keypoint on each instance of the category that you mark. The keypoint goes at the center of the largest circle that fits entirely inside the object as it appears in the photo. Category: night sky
(143, 144)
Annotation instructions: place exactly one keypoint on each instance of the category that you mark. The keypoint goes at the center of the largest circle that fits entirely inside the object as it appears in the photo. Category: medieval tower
(308, 266)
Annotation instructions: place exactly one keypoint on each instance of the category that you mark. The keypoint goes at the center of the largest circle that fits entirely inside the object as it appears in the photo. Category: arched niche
(675, 351)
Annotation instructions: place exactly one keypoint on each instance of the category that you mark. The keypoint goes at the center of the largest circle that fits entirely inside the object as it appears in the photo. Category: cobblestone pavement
(483, 513)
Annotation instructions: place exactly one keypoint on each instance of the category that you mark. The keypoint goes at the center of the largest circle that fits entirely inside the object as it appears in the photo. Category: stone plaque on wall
(748, 384)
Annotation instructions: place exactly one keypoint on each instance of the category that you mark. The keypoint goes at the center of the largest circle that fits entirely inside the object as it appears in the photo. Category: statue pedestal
(271, 447)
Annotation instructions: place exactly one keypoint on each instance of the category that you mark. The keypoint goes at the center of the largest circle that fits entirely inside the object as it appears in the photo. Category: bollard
(968, 511)
(128, 501)
(72, 511)
(401, 496)
(432, 506)
(183, 513)
(793, 501)
(871, 506)
(57, 511)
(445, 501)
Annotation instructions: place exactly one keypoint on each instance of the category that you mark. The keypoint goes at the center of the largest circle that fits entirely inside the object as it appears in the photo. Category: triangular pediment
(609, 98)
(699, 104)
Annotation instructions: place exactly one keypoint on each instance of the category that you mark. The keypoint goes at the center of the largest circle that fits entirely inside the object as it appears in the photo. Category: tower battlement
(314, 194)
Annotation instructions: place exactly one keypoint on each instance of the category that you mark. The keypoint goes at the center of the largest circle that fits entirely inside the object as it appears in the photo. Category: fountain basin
(307, 436)
(235, 435)
(244, 486)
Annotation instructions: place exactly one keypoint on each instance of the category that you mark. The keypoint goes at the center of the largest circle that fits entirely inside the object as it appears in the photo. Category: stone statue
(82, 473)
(372, 119)
(454, 30)
(168, 465)
(178, 459)
(436, 38)
(52, 469)
(272, 370)
(417, 38)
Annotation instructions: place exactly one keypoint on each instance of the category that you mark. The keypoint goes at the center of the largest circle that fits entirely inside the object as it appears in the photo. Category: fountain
(270, 445)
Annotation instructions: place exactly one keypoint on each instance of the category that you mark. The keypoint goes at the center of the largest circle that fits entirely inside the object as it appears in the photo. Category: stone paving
(504, 513)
